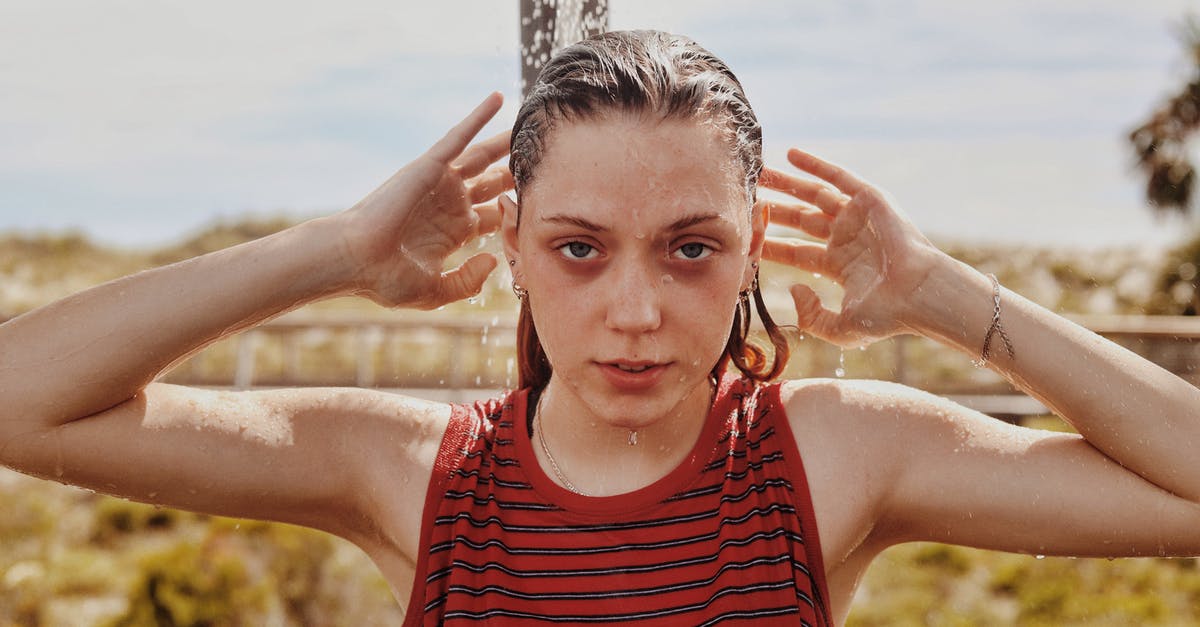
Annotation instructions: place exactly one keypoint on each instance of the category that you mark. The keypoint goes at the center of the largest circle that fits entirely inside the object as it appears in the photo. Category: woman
(645, 471)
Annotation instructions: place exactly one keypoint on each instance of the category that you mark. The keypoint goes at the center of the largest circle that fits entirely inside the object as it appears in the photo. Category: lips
(633, 367)
(626, 375)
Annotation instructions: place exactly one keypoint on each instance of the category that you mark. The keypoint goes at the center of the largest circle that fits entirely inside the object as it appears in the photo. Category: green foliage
(1177, 291)
(116, 518)
(195, 586)
(934, 584)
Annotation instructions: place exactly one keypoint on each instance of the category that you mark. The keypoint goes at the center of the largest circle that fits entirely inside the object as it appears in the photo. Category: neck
(593, 450)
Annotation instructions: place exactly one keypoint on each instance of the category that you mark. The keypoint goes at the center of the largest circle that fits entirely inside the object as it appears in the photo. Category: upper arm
(960, 477)
(306, 456)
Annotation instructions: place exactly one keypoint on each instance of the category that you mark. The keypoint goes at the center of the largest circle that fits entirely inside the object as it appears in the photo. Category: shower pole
(549, 25)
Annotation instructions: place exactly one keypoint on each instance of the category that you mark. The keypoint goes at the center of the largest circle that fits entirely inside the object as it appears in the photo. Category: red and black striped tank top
(728, 537)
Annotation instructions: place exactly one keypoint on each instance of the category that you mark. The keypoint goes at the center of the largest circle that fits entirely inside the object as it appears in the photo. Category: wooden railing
(436, 352)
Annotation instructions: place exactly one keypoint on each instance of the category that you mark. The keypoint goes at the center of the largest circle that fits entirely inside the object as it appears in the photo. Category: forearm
(97, 348)
(1137, 413)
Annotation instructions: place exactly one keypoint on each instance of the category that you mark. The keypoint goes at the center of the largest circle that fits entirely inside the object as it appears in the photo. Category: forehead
(631, 165)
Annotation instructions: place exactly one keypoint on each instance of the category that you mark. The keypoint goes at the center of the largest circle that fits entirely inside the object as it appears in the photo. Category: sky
(138, 122)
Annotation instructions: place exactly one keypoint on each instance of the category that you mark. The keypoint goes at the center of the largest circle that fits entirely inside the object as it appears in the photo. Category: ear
(508, 230)
(760, 216)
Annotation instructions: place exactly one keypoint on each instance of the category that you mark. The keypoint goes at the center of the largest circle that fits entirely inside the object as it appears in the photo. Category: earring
(518, 291)
(744, 295)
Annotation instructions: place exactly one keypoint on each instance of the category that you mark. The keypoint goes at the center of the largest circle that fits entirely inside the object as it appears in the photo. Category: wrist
(322, 268)
(954, 304)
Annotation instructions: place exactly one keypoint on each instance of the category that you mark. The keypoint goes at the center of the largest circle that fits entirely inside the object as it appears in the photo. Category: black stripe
(725, 479)
(639, 524)
(738, 453)
(484, 502)
(759, 613)
(479, 478)
(589, 572)
(611, 618)
(633, 592)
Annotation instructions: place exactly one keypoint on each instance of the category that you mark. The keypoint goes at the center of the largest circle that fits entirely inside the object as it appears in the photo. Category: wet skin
(634, 239)
(886, 464)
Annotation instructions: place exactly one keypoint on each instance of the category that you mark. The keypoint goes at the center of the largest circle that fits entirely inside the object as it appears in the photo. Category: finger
(466, 280)
(812, 317)
(490, 184)
(797, 253)
(815, 193)
(840, 177)
(806, 218)
(489, 218)
(455, 141)
(478, 157)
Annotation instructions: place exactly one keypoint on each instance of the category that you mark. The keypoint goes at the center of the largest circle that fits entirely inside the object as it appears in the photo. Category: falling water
(547, 26)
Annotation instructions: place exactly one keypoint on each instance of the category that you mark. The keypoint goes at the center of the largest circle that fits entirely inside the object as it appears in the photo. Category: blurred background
(1051, 143)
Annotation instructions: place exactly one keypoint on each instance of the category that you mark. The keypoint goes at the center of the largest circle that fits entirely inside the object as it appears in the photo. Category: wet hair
(648, 73)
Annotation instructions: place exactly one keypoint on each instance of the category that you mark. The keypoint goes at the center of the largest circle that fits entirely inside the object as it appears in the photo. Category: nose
(634, 303)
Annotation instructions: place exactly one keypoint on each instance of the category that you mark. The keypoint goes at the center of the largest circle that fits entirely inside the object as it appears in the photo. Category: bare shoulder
(858, 398)
(850, 434)
(862, 413)
(889, 424)
(397, 453)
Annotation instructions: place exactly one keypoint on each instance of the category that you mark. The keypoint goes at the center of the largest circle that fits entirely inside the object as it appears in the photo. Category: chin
(634, 410)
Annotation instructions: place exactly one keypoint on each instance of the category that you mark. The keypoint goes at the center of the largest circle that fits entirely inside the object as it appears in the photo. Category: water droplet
(840, 372)
(473, 300)
(817, 274)
(841, 369)
(666, 278)
(1039, 557)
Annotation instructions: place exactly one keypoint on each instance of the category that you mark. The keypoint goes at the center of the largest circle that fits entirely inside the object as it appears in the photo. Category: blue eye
(693, 250)
(578, 250)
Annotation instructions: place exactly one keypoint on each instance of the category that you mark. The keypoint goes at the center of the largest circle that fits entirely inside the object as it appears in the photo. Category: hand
(878, 257)
(399, 236)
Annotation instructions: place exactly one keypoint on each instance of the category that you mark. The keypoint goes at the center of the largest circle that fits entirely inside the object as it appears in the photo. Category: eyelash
(566, 250)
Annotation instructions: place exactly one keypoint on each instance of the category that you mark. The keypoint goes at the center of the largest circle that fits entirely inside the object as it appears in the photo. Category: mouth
(628, 375)
(631, 368)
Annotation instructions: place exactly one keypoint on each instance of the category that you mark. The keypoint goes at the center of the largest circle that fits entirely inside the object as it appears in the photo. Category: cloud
(134, 112)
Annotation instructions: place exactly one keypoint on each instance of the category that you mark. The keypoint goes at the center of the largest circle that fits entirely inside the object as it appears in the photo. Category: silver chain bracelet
(996, 327)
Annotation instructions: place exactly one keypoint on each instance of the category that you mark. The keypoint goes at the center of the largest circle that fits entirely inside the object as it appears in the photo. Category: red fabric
(727, 537)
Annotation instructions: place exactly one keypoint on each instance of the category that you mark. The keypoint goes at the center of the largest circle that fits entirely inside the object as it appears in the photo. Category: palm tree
(1161, 141)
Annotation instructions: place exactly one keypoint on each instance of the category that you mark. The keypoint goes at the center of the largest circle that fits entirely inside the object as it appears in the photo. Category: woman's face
(635, 239)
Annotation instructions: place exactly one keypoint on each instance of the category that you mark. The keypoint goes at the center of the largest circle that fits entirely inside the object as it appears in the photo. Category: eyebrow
(678, 225)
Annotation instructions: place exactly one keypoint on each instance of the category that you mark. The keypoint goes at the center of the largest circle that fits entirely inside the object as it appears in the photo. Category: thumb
(467, 279)
(811, 315)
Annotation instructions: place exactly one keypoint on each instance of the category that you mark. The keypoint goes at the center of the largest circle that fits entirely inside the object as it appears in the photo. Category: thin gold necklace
(541, 435)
